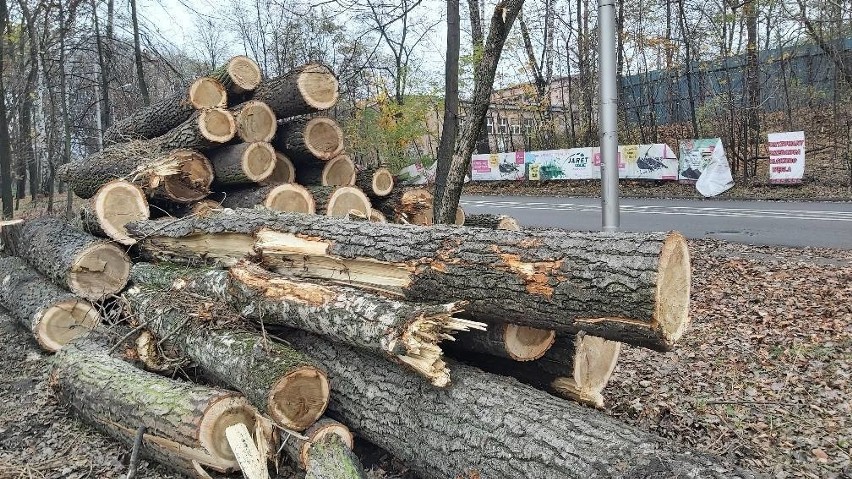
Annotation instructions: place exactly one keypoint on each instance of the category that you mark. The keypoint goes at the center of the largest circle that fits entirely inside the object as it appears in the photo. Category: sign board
(786, 157)
(571, 164)
(695, 156)
(654, 161)
(498, 166)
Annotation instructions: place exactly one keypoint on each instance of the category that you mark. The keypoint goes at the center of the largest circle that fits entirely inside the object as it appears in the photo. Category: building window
(516, 128)
(502, 126)
(529, 125)
(489, 125)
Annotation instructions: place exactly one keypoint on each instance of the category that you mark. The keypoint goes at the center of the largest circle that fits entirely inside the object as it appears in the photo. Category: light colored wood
(376, 216)
(206, 92)
(252, 464)
(593, 363)
(244, 74)
(323, 138)
(318, 86)
(99, 270)
(193, 178)
(284, 171)
(671, 296)
(255, 122)
(114, 205)
(292, 198)
(217, 125)
(523, 343)
(64, 322)
(258, 161)
(339, 171)
(382, 182)
(299, 447)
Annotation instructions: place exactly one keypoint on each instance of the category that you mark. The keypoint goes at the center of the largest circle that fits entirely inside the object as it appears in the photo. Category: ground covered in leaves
(763, 377)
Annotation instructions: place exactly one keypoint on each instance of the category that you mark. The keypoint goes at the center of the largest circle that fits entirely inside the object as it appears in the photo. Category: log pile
(261, 325)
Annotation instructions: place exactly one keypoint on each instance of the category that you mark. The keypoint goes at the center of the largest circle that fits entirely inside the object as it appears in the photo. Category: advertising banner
(695, 156)
(498, 166)
(655, 161)
(571, 164)
(786, 157)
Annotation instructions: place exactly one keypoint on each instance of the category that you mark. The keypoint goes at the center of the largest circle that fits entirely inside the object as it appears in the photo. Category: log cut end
(221, 414)
(99, 271)
(318, 86)
(116, 204)
(258, 161)
(674, 276)
(460, 216)
(420, 343)
(322, 430)
(217, 125)
(244, 73)
(207, 93)
(508, 223)
(323, 138)
(65, 321)
(594, 361)
(191, 179)
(339, 171)
(347, 198)
(382, 182)
(292, 198)
(205, 207)
(284, 171)
(256, 122)
(377, 217)
(523, 343)
(298, 399)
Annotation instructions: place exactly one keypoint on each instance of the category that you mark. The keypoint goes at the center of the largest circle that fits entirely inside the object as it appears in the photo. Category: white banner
(654, 161)
(786, 157)
(571, 164)
(498, 166)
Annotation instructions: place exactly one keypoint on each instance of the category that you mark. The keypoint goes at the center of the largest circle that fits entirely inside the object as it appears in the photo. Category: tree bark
(628, 287)
(310, 141)
(89, 267)
(330, 458)
(500, 421)
(162, 116)
(299, 450)
(375, 182)
(450, 125)
(239, 75)
(255, 121)
(5, 146)
(339, 200)
(183, 176)
(114, 205)
(404, 332)
(287, 197)
(185, 422)
(52, 315)
(203, 131)
(276, 379)
(306, 89)
(137, 56)
(518, 343)
(338, 171)
(494, 222)
(243, 163)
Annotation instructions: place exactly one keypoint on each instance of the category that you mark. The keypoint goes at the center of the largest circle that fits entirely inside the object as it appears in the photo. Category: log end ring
(318, 86)
(207, 92)
(223, 412)
(291, 198)
(674, 276)
(63, 322)
(98, 271)
(298, 399)
(524, 343)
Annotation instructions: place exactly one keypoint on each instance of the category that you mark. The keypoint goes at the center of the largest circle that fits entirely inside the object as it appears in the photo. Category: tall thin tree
(451, 100)
(5, 147)
(137, 55)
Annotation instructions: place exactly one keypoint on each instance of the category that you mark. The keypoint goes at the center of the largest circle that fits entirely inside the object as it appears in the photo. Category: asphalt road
(756, 222)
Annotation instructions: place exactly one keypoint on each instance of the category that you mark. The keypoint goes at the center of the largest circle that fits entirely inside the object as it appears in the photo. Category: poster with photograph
(786, 157)
(695, 156)
(498, 166)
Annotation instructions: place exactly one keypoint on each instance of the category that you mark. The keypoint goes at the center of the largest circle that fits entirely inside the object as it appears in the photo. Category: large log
(403, 332)
(494, 222)
(628, 287)
(338, 171)
(114, 205)
(255, 121)
(276, 379)
(203, 131)
(178, 175)
(306, 89)
(52, 315)
(375, 182)
(492, 427)
(160, 117)
(518, 343)
(185, 423)
(407, 205)
(310, 140)
(239, 75)
(243, 163)
(299, 449)
(87, 266)
(332, 458)
(339, 200)
(284, 171)
(287, 197)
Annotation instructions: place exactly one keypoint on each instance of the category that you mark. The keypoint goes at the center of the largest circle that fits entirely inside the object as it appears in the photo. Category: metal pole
(608, 115)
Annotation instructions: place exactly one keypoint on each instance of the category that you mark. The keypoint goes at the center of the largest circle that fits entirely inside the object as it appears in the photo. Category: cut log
(494, 222)
(284, 171)
(628, 287)
(332, 458)
(278, 380)
(375, 182)
(243, 163)
(255, 121)
(182, 176)
(491, 426)
(87, 266)
(339, 200)
(52, 315)
(185, 423)
(310, 140)
(239, 75)
(403, 332)
(204, 130)
(338, 171)
(519, 343)
(407, 205)
(288, 197)
(377, 217)
(115, 204)
(160, 117)
(307, 89)
(300, 449)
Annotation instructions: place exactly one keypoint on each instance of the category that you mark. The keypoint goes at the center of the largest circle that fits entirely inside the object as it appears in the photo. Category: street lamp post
(608, 115)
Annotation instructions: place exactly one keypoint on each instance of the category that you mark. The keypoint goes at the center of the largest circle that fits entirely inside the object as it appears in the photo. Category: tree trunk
(339, 200)
(306, 89)
(158, 119)
(89, 267)
(255, 121)
(239, 75)
(182, 176)
(287, 197)
(115, 204)
(628, 287)
(276, 379)
(331, 458)
(185, 423)
(5, 146)
(494, 222)
(137, 56)
(338, 171)
(407, 205)
(284, 171)
(243, 163)
(104, 108)
(450, 126)
(375, 182)
(52, 315)
(518, 343)
(204, 130)
(300, 450)
(510, 430)
(311, 140)
(403, 332)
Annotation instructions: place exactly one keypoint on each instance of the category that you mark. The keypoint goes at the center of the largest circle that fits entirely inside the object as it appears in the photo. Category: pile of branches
(465, 351)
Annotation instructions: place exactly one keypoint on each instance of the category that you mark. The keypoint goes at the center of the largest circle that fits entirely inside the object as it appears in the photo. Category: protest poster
(786, 157)
(498, 166)
(695, 156)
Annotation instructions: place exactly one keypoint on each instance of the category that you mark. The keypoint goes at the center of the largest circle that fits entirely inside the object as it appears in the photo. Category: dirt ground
(763, 377)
